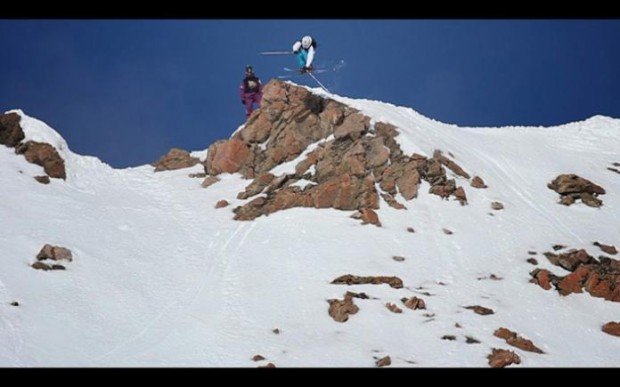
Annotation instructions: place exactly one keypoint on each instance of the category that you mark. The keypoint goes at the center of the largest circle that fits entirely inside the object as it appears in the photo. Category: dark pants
(249, 100)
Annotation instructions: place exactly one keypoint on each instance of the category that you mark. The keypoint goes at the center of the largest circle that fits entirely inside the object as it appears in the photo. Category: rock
(384, 362)
(459, 193)
(269, 365)
(532, 252)
(392, 202)
(340, 310)
(533, 261)
(353, 127)
(410, 229)
(369, 216)
(448, 337)
(457, 325)
(349, 279)
(471, 340)
(221, 203)
(44, 179)
(209, 180)
(276, 331)
(227, 156)
(45, 155)
(477, 182)
(454, 167)
(481, 310)
(11, 133)
(612, 328)
(571, 259)
(258, 185)
(516, 341)
(176, 158)
(414, 303)
(558, 247)
(398, 258)
(542, 277)
(609, 249)
(45, 267)
(571, 183)
(55, 253)
(446, 231)
(200, 175)
(257, 358)
(393, 308)
(572, 187)
(14, 303)
(501, 358)
(497, 206)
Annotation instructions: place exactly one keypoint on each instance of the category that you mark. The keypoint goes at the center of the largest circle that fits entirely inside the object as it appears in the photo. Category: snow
(162, 278)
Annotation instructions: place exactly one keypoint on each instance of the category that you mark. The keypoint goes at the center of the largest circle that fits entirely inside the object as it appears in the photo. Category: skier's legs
(248, 105)
(302, 55)
(257, 98)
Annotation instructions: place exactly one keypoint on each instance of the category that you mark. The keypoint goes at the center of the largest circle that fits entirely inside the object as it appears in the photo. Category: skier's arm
(310, 56)
(296, 46)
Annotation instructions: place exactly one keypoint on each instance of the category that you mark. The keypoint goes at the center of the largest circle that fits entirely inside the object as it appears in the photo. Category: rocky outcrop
(175, 159)
(349, 279)
(497, 206)
(600, 278)
(500, 358)
(45, 155)
(11, 133)
(572, 187)
(344, 157)
(515, 340)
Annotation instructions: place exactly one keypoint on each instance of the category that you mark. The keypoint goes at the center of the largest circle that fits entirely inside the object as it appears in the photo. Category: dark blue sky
(128, 90)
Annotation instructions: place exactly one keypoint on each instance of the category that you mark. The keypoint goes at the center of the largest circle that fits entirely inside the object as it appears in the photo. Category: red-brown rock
(612, 328)
(45, 155)
(501, 358)
(55, 253)
(516, 341)
(221, 203)
(11, 133)
(349, 279)
(227, 156)
(477, 182)
(175, 159)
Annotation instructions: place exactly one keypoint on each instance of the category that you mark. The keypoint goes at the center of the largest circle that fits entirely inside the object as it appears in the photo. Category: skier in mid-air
(305, 50)
(250, 91)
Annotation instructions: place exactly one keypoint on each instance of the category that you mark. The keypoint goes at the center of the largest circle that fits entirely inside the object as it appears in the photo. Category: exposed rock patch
(515, 340)
(176, 158)
(501, 358)
(572, 187)
(349, 279)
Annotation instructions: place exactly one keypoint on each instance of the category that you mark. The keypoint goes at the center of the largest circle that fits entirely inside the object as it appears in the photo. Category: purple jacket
(249, 86)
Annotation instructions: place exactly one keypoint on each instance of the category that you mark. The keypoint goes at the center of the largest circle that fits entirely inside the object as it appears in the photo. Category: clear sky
(127, 91)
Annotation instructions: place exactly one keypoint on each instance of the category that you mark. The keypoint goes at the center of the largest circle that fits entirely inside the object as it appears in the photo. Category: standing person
(250, 91)
(305, 50)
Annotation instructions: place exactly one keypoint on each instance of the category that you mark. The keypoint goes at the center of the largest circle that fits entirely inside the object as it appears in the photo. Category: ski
(275, 53)
(316, 71)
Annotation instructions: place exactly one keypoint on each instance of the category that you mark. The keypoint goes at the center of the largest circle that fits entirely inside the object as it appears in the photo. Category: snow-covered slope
(162, 278)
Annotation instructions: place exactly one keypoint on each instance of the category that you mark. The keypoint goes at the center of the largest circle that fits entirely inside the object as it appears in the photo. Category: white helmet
(306, 41)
